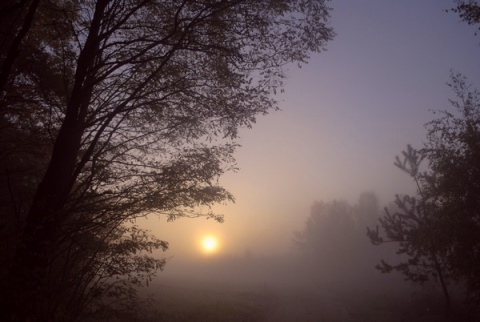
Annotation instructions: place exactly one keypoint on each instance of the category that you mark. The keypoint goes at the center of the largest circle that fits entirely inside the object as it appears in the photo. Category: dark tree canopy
(453, 154)
(111, 110)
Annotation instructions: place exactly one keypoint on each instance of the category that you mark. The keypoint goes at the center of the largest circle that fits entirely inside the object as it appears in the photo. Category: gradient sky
(344, 118)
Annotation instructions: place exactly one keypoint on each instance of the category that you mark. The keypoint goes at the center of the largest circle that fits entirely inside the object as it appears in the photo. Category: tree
(333, 238)
(327, 237)
(414, 226)
(438, 230)
(453, 154)
(367, 209)
(17, 21)
(139, 104)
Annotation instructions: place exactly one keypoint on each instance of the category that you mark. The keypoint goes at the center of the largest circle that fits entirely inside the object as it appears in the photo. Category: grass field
(281, 291)
(197, 301)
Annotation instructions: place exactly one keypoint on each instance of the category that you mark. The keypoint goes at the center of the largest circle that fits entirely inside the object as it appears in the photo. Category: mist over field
(240, 160)
(285, 288)
(327, 274)
(345, 116)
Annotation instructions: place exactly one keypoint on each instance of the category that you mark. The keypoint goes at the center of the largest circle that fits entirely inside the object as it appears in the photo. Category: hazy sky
(344, 117)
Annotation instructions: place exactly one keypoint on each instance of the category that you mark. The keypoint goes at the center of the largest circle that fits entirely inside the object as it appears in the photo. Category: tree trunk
(12, 54)
(27, 283)
(27, 296)
(443, 283)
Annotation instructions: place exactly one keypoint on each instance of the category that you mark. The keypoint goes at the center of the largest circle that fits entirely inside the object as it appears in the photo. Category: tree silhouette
(414, 226)
(137, 105)
(453, 152)
(438, 229)
(328, 234)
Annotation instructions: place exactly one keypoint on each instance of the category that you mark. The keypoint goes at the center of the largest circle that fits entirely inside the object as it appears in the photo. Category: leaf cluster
(468, 11)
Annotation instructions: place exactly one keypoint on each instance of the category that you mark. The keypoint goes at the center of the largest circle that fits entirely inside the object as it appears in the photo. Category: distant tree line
(333, 240)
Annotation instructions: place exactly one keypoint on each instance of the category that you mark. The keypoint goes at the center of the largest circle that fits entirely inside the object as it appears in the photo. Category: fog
(123, 123)
(285, 288)
(344, 117)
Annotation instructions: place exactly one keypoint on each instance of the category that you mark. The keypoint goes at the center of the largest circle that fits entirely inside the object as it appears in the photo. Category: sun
(209, 244)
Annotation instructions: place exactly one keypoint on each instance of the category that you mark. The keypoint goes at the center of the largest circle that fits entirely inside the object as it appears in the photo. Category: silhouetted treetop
(469, 11)
(136, 105)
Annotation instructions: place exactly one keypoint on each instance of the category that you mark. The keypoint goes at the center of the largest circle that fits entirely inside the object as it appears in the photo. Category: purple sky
(344, 117)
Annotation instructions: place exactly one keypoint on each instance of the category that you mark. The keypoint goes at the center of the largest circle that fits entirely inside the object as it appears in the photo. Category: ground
(193, 301)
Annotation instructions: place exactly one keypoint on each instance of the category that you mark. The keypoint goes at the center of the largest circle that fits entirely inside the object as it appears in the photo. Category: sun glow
(209, 244)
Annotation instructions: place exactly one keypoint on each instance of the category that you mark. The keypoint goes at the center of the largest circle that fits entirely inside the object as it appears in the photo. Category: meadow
(275, 294)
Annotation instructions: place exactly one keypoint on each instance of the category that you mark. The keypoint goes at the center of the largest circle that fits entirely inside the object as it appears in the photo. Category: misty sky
(344, 117)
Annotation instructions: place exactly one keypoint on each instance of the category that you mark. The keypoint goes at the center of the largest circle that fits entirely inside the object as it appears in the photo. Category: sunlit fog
(240, 160)
(344, 117)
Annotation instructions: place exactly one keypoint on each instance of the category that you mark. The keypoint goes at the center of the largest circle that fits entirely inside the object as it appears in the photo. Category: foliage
(438, 230)
(469, 11)
(412, 226)
(453, 153)
(133, 108)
